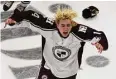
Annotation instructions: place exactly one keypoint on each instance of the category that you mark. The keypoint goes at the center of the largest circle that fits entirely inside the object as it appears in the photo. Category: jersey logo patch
(61, 53)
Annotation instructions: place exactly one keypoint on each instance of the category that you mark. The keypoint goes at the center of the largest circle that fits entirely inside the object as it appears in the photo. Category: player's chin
(65, 34)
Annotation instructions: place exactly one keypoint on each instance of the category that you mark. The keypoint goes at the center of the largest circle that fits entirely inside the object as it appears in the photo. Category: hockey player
(63, 40)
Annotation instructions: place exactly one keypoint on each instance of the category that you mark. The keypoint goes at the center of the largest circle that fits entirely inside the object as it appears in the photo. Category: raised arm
(86, 33)
(35, 18)
(39, 23)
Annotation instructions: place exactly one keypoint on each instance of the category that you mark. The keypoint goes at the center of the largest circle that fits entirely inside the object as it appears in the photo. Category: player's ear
(74, 23)
(57, 23)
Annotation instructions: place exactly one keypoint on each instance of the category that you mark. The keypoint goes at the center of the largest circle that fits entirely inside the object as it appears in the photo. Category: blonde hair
(62, 14)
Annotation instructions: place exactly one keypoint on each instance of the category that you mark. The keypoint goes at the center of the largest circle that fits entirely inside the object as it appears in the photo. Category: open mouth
(65, 33)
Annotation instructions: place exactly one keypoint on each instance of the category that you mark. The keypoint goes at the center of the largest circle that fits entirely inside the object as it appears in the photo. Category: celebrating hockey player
(63, 40)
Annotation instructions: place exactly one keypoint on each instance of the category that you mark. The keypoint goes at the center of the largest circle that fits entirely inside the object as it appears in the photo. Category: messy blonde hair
(62, 14)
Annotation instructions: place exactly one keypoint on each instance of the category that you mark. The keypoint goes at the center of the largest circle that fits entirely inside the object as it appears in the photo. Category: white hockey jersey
(60, 54)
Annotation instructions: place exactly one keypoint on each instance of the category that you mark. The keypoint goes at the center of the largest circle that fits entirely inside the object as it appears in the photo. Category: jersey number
(82, 29)
(50, 21)
(35, 15)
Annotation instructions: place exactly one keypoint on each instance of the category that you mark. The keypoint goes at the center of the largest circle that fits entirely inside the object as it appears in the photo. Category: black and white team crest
(61, 53)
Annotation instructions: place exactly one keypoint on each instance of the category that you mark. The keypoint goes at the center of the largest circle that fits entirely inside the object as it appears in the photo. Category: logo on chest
(61, 53)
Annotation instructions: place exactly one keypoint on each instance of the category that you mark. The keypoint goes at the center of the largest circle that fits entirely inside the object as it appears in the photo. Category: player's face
(64, 27)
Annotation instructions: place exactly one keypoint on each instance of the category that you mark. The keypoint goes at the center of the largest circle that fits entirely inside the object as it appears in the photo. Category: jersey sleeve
(34, 18)
(39, 23)
(86, 33)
